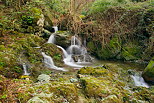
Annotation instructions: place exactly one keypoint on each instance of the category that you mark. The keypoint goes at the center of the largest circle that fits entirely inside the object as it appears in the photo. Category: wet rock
(148, 73)
(82, 58)
(78, 58)
(43, 78)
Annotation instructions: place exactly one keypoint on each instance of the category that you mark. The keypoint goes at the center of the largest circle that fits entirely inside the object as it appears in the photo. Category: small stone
(72, 80)
(43, 78)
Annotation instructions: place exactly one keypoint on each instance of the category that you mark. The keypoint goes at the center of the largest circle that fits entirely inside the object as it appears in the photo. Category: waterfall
(25, 69)
(52, 36)
(49, 62)
(75, 50)
(139, 81)
(68, 58)
(55, 28)
(64, 51)
(78, 51)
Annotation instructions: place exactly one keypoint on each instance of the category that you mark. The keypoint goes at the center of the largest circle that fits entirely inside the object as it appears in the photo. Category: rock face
(148, 73)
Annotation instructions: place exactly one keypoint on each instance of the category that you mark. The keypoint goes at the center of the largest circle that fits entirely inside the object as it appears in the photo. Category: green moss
(131, 51)
(21, 49)
(101, 88)
(64, 89)
(111, 50)
(148, 73)
(93, 71)
(91, 46)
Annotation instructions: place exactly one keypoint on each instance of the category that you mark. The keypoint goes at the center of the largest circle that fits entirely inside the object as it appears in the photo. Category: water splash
(139, 81)
(25, 69)
(49, 62)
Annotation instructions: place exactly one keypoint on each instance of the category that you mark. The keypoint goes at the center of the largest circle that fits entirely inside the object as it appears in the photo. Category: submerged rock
(148, 73)
(82, 58)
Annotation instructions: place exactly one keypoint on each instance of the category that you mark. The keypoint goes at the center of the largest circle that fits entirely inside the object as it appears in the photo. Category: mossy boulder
(55, 52)
(63, 38)
(100, 88)
(63, 89)
(148, 73)
(54, 92)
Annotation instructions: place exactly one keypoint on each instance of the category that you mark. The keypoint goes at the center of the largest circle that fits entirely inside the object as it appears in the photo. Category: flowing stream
(76, 54)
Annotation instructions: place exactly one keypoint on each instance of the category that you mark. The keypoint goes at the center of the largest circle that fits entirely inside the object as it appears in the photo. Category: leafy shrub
(102, 5)
(58, 5)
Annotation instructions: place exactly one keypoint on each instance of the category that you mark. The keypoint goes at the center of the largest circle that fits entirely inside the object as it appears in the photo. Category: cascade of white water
(64, 51)
(139, 81)
(55, 28)
(25, 69)
(74, 49)
(52, 36)
(75, 41)
(68, 58)
(49, 62)
(77, 49)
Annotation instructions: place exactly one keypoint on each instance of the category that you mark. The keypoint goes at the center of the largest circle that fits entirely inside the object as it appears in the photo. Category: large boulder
(148, 73)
